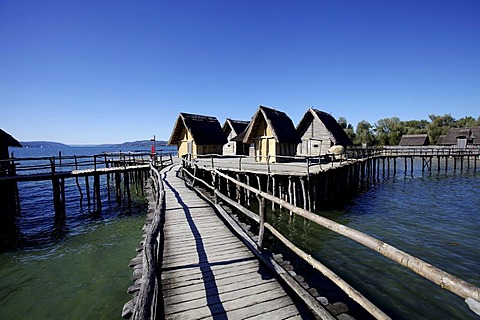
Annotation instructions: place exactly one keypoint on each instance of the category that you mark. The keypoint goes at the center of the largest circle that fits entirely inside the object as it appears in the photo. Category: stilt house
(232, 128)
(319, 131)
(462, 137)
(6, 140)
(412, 140)
(273, 134)
(196, 135)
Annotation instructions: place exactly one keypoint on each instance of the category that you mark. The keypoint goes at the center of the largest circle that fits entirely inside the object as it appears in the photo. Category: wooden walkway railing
(467, 291)
(146, 275)
(205, 270)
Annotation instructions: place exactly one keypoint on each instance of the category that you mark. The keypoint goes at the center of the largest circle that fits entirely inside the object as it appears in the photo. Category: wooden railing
(467, 291)
(24, 167)
(145, 305)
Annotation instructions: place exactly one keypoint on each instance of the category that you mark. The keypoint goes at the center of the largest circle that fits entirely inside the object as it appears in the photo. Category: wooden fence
(467, 291)
(147, 287)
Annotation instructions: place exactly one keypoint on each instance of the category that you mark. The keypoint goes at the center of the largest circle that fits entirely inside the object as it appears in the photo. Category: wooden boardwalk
(207, 271)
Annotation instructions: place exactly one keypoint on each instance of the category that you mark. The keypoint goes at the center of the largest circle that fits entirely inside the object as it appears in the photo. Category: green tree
(348, 128)
(439, 125)
(389, 131)
(467, 121)
(415, 126)
(364, 134)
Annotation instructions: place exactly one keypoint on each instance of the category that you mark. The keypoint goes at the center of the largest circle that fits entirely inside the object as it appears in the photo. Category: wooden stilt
(87, 191)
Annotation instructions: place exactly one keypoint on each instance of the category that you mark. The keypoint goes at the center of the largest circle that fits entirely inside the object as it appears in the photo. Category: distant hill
(50, 144)
(143, 143)
(140, 143)
(41, 144)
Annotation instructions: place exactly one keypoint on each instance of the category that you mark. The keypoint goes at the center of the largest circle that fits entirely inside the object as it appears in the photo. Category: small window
(315, 145)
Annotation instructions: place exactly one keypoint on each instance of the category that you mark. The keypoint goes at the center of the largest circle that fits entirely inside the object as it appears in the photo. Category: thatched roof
(237, 126)
(453, 134)
(7, 140)
(440, 139)
(337, 134)
(414, 140)
(281, 125)
(204, 130)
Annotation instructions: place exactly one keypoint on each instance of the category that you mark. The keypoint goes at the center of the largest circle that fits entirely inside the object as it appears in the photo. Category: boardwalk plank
(206, 270)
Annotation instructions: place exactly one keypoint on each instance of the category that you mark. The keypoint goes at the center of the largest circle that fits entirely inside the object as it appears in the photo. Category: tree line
(389, 131)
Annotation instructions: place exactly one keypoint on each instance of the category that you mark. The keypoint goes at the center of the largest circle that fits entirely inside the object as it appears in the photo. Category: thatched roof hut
(232, 128)
(197, 135)
(319, 131)
(461, 137)
(414, 140)
(273, 134)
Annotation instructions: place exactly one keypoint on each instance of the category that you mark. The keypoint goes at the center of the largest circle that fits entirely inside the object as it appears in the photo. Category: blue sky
(97, 71)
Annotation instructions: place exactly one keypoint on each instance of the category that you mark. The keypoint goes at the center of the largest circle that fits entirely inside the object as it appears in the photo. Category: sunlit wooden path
(208, 272)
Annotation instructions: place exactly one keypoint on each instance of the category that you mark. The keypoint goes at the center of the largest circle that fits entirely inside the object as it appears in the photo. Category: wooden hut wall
(316, 139)
(183, 142)
(207, 149)
(265, 143)
(231, 147)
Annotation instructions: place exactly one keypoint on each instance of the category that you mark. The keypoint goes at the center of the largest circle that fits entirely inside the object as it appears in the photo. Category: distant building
(414, 140)
(197, 135)
(319, 131)
(232, 128)
(461, 137)
(273, 134)
(6, 140)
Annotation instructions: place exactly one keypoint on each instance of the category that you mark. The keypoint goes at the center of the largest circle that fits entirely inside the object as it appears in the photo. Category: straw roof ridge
(237, 126)
(414, 140)
(205, 130)
(336, 132)
(454, 133)
(282, 126)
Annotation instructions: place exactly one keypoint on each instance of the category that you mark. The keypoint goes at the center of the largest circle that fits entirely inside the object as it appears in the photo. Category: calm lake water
(75, 271)
(80, 270)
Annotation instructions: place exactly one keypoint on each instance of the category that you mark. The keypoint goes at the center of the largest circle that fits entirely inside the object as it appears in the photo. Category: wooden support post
(118, 189)
(87, 190)
(454, 163)
(127, 186)
(261, 230)
(273, 191)
(215, 186)
(294, 191)
(405, 163)
(58, 198)
(96, 187)
(438, 163)
(411, 165)
(383, 167)
(461, 163)
(238, 190)
(305, 203)
(248, 191)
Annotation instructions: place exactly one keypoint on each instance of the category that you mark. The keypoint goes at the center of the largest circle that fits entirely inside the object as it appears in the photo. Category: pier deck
(207, 271)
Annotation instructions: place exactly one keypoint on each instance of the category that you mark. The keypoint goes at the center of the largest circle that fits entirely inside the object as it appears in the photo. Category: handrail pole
(424, 269)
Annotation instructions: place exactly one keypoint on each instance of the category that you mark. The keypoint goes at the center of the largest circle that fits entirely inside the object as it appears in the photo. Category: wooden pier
(205, 266)
(209, 272)
(119, 170)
